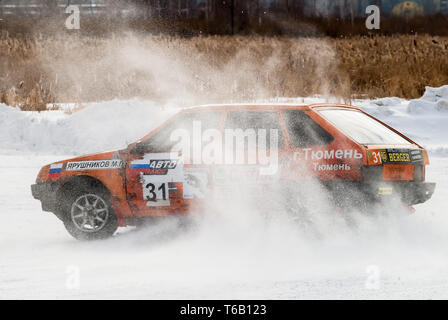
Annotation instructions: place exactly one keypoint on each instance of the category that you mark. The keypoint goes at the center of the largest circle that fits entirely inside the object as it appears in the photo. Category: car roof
(265, 106)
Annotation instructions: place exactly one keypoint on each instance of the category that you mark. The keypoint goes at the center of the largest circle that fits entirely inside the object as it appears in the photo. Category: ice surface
(231, 255)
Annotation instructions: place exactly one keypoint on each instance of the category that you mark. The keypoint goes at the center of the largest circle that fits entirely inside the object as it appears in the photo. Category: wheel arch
(69, 190)
(73, 182)
(81, 180)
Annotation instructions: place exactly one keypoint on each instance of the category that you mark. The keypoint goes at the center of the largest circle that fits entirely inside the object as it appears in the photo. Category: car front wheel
(88, 214)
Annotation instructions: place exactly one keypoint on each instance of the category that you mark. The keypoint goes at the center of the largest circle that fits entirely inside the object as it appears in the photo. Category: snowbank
(99, 127)
(424, 120)
(114, 124)
(434, 99)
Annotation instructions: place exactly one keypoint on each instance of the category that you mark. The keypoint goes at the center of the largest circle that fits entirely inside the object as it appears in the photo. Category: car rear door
(253, 148)
(319, 150)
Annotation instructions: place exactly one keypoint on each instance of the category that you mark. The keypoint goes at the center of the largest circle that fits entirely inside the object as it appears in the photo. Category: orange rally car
(354, 156)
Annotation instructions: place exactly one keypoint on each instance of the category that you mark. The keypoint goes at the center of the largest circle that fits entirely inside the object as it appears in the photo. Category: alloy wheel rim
(89, 213)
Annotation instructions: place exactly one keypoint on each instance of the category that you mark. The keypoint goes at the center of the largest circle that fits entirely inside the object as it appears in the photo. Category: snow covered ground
(391, 255)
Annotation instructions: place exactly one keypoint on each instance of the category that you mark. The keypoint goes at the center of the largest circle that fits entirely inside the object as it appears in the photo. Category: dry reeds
(37, 70)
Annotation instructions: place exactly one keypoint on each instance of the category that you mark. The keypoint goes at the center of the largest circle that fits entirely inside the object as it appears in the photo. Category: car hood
(44, 173)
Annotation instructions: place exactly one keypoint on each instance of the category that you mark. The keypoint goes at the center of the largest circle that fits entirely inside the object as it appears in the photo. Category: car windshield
(362, 128)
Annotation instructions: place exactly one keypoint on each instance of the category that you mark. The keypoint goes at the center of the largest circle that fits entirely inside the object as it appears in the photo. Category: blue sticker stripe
(55, 170)
(139, 166)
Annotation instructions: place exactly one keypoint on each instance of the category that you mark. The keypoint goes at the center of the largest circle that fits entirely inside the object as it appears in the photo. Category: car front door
(161, 176)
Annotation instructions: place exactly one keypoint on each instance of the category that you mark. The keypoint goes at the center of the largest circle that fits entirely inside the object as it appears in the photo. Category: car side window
(161, 140)
(246, 120)
(304, 131)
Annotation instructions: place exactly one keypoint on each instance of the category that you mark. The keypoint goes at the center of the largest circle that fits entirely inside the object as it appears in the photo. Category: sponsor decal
(94, 165)
(331, 167)
(309, 154)
(159, 173)
(416, 156)
(116, 156)
(56, 169)
(383, 155)
(155, 166)
(400, 156)
(395, 156)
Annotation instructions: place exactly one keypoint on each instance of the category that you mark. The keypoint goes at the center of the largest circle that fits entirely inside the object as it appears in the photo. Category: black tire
(75, 218)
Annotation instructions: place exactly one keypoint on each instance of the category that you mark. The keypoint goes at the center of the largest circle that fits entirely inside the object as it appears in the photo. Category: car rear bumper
(355, 193)
(415, 192)
(409, 193)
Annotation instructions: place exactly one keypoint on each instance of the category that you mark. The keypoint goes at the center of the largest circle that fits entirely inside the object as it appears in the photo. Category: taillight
(419, 173)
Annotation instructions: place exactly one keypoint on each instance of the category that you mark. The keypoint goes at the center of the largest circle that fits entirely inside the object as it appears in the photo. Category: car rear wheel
(88, 214)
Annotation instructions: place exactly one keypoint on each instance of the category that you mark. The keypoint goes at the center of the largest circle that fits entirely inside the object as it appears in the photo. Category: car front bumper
(46, 193)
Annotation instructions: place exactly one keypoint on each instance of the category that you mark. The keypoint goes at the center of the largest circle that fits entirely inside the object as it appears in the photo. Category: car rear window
(304, 131)
(362, 128)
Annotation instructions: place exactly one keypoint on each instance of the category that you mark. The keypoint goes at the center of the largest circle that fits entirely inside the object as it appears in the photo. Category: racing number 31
(155, 190)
